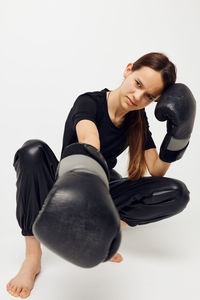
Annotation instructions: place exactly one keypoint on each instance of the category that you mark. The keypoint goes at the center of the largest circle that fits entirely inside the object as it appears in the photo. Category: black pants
(146, 200)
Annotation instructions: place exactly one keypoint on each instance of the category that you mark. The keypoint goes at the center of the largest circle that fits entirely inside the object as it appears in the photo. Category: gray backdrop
(51, 52)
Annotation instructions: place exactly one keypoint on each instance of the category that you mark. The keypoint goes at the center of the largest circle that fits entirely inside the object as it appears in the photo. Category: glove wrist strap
(82, 163)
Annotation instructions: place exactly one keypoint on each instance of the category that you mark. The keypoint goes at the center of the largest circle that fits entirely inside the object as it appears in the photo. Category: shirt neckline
(108, 117)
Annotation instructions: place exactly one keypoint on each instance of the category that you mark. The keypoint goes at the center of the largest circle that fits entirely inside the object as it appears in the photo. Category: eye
(138, 83)
(150, 97)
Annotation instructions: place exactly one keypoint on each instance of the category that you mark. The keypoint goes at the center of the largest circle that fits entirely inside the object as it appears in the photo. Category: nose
(138, 95)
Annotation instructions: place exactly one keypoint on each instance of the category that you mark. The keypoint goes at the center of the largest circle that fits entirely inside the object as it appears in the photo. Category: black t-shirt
(93, 106)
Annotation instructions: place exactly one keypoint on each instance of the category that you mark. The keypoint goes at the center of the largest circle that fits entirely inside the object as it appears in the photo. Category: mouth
(131, 102)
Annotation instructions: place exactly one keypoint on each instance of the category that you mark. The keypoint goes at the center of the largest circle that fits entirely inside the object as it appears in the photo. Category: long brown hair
(137, 128)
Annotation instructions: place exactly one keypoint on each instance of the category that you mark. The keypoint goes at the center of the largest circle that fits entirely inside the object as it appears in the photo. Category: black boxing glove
(79, 220)
(178, 106)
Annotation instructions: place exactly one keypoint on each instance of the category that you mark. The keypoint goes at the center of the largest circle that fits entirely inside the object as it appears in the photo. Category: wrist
(168, 154)
(82, 157)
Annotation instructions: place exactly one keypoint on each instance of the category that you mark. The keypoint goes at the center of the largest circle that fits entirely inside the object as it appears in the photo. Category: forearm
(160, 167)
(92, 140)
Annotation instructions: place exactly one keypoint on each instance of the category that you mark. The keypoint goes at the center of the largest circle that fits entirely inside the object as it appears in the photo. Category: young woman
(111, 121)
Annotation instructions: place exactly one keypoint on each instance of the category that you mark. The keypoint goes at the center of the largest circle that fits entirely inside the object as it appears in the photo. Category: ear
(128, 68)
(157, 100)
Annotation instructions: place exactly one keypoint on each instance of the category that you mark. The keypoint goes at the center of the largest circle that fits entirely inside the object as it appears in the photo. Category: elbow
(159, 168)
(153, 174)
(93, 142)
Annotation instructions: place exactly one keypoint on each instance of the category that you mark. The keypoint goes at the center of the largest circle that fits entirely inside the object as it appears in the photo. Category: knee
(30, 152)
(182, 195)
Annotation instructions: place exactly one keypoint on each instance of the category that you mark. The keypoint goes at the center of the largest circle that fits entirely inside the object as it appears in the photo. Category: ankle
(34, 255)
(33, 248)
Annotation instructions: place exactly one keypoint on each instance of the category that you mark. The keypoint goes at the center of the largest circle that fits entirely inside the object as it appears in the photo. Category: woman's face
(142, 87)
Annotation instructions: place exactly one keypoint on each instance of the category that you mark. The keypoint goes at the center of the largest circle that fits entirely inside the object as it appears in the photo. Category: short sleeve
(148, 142)
(85, 107)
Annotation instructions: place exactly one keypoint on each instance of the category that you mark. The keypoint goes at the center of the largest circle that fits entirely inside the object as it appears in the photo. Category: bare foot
(22, 284)
(123, 224)
(116, 258)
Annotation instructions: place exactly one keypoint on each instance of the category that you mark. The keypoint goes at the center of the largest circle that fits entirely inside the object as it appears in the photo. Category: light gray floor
(161, 261)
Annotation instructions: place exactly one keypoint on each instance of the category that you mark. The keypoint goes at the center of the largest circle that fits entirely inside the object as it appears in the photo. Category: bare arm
(155, 165)
(87, 132)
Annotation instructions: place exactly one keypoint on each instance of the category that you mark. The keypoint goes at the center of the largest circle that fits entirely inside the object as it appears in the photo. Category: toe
(8, 286)
(18, 291)
(118, 257)
(13, 290)
(10, 291)
(24, 293)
